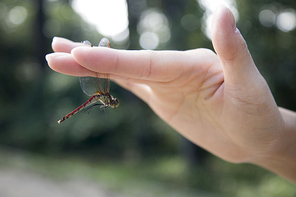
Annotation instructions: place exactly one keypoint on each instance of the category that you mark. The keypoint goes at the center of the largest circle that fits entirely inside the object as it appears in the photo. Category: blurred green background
(131, 151)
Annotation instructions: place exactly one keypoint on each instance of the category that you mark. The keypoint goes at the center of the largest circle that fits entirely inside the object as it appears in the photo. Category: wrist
(281, 158)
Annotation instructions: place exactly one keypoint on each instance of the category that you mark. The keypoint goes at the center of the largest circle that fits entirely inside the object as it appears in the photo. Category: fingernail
(231, 19)
(47, 57)
(50, 56)
(54, 39)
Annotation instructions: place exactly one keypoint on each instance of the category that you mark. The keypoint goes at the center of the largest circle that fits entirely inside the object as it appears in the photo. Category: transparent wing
(104, 43)
(94, 85)
(95, 82)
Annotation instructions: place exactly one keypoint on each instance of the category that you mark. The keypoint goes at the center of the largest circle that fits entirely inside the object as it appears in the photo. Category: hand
(220, 102)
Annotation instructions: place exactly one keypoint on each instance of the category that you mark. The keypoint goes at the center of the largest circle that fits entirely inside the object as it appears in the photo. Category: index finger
(64, 45)
(146, 65)
(159, 66)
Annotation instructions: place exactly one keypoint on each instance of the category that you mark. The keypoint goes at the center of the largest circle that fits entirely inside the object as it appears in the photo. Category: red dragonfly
(97, 86)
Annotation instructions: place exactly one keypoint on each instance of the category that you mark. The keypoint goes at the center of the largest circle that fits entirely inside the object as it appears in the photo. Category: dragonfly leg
(104, 108)
(90, 108)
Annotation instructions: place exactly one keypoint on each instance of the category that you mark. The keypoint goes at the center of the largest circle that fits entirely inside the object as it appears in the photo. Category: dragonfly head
(114, 103)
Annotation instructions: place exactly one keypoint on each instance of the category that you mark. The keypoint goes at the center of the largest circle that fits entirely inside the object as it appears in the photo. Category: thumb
(231, 48)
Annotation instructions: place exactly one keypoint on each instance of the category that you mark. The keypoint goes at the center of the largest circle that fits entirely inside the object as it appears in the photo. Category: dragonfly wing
(87, 42)
(106, 83)
(104, 43)
(95, 82)
(105, 77)
(92, 85)
(89, 85)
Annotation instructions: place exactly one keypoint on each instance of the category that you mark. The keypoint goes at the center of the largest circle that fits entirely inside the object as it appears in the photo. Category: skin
(219, 101)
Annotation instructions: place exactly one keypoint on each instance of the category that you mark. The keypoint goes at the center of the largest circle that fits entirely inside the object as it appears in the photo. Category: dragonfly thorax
(108, 100)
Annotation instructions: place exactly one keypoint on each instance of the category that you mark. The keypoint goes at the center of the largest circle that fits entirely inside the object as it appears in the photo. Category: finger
(231, 48)
(64, 45)
(65, 63)
(141, 90)
(161, 66)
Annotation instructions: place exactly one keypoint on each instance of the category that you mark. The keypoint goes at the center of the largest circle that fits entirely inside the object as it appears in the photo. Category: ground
(21, 183)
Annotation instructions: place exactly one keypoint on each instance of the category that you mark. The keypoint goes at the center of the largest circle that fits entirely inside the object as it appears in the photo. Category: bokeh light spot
(189, 22)
(153, 25)
(17, 15)
(267, 18)
(286, 20)
(51, 28)
(149, 40)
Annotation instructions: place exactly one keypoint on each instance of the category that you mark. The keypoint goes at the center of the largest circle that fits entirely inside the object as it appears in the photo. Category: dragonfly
(96, 85)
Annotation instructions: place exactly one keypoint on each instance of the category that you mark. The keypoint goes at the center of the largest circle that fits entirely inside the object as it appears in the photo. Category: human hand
(218, 101)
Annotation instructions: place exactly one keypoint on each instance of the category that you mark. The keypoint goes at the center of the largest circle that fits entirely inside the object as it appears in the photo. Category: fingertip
(231, 47)
(49, 58)
(63, 63)
(55, 55)
(56, 42)
(77, 52)
(52, 58)
(73, 51)
(227, 17)
(83, 48)
(54, 39)
(64, 45)
(98, 59)
(224, 33)
(223, 22)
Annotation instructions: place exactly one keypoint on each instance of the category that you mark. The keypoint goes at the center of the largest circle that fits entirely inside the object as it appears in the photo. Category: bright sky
(109, 16)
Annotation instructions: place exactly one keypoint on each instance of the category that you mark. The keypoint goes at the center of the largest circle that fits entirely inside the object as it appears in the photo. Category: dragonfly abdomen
(89, 102)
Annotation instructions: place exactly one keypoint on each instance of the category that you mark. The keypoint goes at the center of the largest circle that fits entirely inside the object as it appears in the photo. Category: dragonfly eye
(114, 103)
